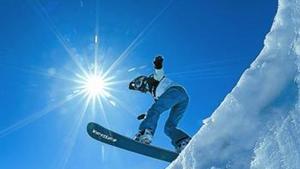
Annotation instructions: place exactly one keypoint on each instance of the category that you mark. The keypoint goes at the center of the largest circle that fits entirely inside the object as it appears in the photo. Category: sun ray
(73, 135)
(123, 105)
(103, 111)
(35, 116)
(102, 153)
(134, 43)
(47, 19)
(96, 38)
(38, 72)
(110, 83)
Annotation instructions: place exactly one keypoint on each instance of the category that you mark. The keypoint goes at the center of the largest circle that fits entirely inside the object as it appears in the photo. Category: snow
(257, 125)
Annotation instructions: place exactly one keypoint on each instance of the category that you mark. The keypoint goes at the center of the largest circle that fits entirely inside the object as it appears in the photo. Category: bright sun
(94, 85)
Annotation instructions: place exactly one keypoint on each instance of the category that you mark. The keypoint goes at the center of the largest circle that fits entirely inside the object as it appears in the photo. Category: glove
(142, 116)
(158, 62)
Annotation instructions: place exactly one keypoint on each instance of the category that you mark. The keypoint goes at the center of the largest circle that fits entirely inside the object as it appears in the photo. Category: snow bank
(258, 124)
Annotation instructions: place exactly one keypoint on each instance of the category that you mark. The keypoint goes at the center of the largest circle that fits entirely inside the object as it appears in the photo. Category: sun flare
(95, 85)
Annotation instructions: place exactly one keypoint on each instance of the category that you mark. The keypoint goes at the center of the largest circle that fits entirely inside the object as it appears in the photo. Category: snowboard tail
(107, 136)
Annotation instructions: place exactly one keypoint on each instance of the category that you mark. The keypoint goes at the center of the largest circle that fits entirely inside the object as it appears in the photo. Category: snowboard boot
(181, 144)
(144, 136)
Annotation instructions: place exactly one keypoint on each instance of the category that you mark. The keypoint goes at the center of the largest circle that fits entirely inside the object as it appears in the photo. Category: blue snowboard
(109, 137)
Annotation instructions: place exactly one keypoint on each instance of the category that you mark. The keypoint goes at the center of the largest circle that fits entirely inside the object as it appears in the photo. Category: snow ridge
(258, 124)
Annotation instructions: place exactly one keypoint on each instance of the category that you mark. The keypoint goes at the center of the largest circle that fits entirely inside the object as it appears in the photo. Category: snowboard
(107, 136)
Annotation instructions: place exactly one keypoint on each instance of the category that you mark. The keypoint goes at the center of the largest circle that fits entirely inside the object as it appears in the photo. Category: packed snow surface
(257, 126)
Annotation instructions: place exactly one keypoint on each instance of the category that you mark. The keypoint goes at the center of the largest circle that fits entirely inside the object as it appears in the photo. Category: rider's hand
(158, 62)
(141, 116)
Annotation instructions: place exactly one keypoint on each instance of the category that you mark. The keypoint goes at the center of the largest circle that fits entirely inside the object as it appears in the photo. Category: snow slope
(257, 125)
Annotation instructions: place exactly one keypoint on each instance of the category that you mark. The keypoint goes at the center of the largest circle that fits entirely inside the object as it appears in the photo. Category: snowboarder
(167, 95)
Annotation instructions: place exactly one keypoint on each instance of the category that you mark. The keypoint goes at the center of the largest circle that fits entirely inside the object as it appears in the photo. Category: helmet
(140, 83)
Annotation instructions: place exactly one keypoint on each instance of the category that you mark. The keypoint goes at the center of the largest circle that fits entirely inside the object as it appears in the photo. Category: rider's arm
(159, 74)
(158, 68)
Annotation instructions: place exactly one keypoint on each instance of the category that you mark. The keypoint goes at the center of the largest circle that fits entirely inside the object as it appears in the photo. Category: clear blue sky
(206, 44)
